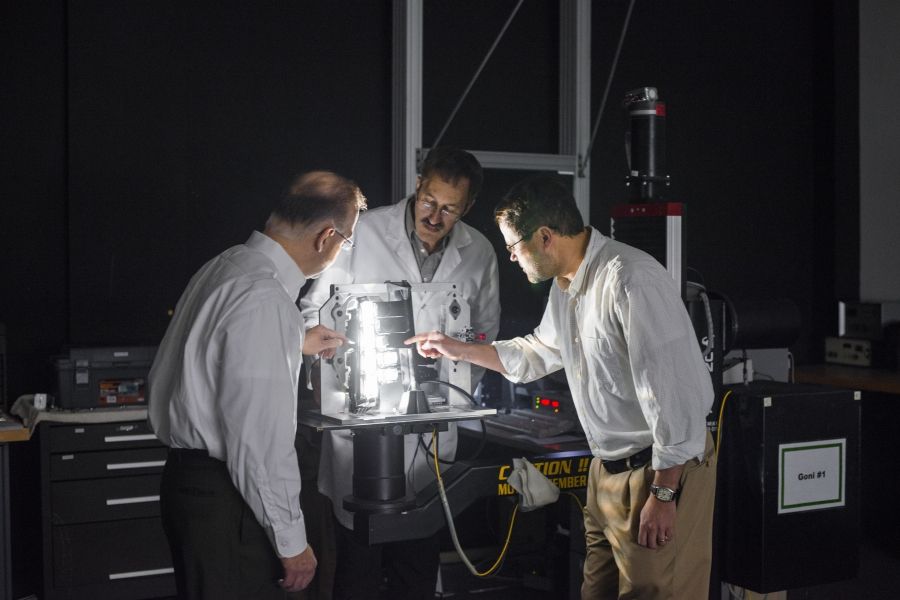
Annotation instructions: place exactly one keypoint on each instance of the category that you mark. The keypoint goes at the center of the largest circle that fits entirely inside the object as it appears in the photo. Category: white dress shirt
(225, 379)
(635, 370)
(383, 252)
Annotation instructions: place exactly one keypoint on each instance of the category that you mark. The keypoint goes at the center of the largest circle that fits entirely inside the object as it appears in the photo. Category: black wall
(141, 138)
(762, 122)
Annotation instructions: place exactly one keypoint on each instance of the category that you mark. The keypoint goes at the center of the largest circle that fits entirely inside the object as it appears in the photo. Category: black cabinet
(788, 482)
(102, 533)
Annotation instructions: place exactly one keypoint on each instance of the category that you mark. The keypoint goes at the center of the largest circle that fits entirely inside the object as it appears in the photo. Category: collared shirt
(623, 336)
(428, 263)
(225, 379)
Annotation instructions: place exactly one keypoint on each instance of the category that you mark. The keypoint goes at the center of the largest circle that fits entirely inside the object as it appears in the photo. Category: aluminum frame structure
(574, 103)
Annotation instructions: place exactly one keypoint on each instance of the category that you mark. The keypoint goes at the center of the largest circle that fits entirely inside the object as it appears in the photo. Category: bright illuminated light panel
(369, 380)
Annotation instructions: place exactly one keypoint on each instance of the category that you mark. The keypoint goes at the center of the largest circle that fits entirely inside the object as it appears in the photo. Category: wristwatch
(663, 494)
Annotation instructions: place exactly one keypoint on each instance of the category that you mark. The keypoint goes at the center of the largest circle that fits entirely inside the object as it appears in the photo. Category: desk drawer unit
(92, 465)
(103, 536)
(93, 500)
(101, 436)
(98, 553)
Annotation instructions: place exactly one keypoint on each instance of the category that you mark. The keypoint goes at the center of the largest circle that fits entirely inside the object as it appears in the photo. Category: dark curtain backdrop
(143, 137)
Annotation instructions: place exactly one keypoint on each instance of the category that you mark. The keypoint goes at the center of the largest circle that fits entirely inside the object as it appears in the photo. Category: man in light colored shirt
(419, 239)
(617, 325)
(223, 396)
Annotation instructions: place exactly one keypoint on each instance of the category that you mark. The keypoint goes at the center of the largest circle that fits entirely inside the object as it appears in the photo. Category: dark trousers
(398, 570)
(219, 549)
(317, 513)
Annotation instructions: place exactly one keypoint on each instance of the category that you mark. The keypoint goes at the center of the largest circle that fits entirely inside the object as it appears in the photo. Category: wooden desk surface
(854, 378)
(12, 430)
(19, 434)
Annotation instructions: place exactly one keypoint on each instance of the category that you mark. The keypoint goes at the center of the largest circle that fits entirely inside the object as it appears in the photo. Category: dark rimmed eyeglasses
(509, 247)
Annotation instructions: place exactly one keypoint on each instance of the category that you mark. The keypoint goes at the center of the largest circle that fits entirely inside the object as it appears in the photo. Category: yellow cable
(719, 431)
(577, 501)
(512, 522)
(512, 519)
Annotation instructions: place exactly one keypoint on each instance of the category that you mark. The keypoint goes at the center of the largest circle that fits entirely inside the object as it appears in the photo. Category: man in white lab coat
(420, 239)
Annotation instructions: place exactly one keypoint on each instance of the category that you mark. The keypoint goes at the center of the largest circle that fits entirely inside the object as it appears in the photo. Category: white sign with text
(811, 475)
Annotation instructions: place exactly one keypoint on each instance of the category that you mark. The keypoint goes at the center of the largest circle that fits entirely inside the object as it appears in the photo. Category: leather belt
(635, 461)
(191, 456)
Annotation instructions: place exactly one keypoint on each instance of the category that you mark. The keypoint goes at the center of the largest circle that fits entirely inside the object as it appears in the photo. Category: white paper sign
(811, 475)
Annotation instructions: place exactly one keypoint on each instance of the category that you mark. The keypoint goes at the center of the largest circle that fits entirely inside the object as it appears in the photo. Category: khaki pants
(616, 566)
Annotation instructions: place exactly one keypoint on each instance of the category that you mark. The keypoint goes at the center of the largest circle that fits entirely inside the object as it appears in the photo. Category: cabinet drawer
(147, 588)
(92, 465)
(112, 499)
(95, 553)
(101, 436)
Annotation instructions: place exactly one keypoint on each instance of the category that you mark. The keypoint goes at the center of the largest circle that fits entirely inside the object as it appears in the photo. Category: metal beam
(575, 92)
(406, 96)
(574, 103)
(524, 161)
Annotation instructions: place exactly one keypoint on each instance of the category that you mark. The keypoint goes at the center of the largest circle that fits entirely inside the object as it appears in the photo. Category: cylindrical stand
(379, 478)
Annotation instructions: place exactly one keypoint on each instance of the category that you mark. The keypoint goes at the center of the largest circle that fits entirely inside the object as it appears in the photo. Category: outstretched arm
(322, 341)
(435, 344)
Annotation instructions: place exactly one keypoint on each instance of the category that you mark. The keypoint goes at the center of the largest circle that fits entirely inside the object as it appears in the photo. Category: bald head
(316, 197)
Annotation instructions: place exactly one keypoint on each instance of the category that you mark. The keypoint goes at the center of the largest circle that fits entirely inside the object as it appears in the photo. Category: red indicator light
(481, 337)
(545, 402)
(555, 404)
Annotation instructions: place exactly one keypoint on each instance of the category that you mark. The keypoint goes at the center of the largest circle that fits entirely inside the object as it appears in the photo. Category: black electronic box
(103, 377)
(789, 477)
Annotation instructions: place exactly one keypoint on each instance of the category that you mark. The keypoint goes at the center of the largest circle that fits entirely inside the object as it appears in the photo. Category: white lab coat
(383, 253)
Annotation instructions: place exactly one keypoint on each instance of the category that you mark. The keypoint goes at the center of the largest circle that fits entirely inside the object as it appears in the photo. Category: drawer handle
(148, 573)
(148, 464)
(133, 500)
(129, 438)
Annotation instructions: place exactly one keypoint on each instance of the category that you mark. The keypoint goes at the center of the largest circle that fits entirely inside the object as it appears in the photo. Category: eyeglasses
(347, 243)
(509, 247)
(447, 213)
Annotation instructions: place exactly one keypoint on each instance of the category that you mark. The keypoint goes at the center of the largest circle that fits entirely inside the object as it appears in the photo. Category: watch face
(663, 494)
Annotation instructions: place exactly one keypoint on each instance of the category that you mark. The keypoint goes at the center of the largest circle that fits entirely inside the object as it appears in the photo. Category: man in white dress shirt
(419, 239)
(223, 397)
(616, 323)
